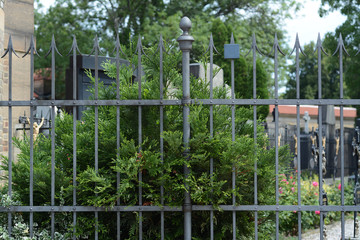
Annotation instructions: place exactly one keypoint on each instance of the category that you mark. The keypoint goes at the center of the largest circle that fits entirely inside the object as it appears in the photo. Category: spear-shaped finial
(232, 41)
(319, 46)
(31, 48)
(117, 47)
(96, 46)
(340, 46)
(254, 46)
(74, 47)
(9, 48)
(211, 45)
(139, 47)
(52, 47)
(276, 46)
(297, 46)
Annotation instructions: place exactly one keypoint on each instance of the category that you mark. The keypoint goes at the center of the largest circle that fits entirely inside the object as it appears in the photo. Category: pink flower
(293, 183)
(293, 189)
(316, 194)
(284, 180)
(294, 211)
(280, 190)
(291, 177)
(315, 184)
(317, 212)
(339, 186)
(287, 182)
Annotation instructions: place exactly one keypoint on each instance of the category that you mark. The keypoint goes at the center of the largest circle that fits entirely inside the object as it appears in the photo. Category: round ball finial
(185, 24)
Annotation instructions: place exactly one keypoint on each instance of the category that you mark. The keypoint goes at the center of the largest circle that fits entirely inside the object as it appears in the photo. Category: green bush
(99, 188)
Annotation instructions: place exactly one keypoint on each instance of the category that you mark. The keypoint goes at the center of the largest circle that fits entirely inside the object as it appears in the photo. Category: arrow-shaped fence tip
(52, 47)
(10, 48)
(96, 45)
(232, 41)
(297, 45)
(74, 46)
(319, 46)
(341, 46)
(117, 43)
(318, 42)
(211, 41)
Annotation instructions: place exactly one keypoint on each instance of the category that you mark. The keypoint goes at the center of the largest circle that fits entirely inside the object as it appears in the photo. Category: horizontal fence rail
(185, 42)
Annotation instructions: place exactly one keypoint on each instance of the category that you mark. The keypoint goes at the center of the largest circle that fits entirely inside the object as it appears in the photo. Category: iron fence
(185, 42)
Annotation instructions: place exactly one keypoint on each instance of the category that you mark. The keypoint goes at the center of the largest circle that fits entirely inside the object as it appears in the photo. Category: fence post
(185, 42)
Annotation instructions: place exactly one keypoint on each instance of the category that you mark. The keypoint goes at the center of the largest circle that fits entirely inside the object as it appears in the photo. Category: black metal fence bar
(298, 153)
(118, 49)
(10, 142)
(161, 79)
(233, 138)
(74, 50)
(53, 47)
(185, 42)
(31, 202)
(341, 48)
(96, 97)
(254, 49)
(10, 51)
(319, 50)
(139, 52)
(167, 102)
(237, 208)
(211, 49)
(276, 48)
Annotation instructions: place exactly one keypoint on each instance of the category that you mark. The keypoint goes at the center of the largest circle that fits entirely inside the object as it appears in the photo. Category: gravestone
(198, 71)
(84, 63)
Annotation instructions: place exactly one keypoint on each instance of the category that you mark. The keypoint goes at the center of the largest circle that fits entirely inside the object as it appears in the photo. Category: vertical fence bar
(52, 135)
(319, 49)
(10, 51)
(139, 52)
(117, 48)
(341, 48)
(297, 62)
(74, 48)
(233, 140)
(254, 47)
(31, 187)
(275, 49)
(211, 49)
(185, 42)
(298, 49)
(161, 49)
(10, 141)
(96, 46)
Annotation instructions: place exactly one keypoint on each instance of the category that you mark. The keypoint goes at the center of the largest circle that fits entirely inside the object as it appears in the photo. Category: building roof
(349, 112)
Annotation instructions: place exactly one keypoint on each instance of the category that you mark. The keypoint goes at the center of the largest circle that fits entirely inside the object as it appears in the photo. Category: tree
(308, 74)
(351, 36)
(128, 19)
(62, 22)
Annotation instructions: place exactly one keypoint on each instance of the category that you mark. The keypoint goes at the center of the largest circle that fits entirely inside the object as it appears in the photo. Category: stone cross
(307, 118)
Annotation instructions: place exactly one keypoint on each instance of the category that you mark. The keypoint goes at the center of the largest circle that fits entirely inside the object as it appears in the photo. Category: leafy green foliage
(98, 186)
(308, 70)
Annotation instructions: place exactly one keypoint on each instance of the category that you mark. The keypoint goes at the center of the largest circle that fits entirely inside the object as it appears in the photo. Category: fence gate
(235, 206)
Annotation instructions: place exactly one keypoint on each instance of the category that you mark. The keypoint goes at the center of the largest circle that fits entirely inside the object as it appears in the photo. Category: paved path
(333, 230)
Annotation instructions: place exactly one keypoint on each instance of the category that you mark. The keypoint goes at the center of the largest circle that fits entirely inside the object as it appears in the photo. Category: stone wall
(17, 20)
